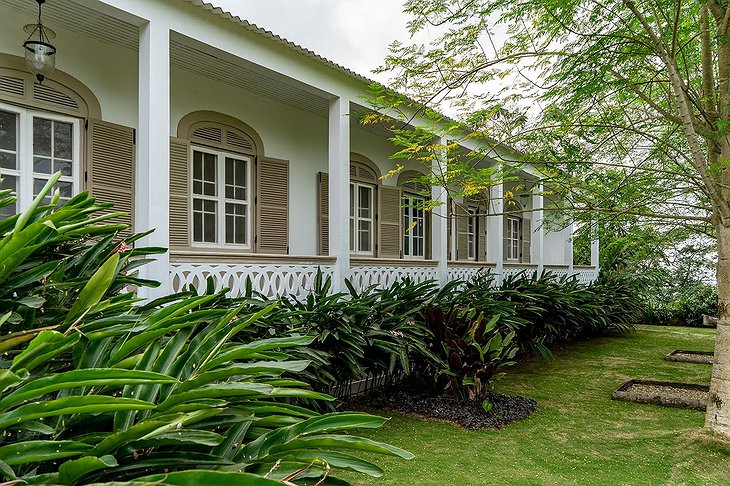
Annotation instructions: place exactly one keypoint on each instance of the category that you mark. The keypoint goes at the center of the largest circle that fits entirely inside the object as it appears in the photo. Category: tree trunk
(718, 403)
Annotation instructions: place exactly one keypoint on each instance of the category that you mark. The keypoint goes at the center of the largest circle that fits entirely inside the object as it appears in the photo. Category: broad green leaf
(68, 406)
(72, 471)
(94, 289)
(79, 378)
(41, 450)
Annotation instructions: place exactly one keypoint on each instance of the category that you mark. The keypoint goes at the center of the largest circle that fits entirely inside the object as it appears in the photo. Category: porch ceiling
(190, 55)
(79, 18)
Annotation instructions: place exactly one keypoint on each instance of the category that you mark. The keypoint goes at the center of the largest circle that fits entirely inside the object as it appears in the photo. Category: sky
(354, 33)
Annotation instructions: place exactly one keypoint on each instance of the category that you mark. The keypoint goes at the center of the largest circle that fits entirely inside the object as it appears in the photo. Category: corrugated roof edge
(277, 38)
(306, 52)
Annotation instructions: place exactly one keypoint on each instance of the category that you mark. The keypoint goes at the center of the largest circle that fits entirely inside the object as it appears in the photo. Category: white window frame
(513, 239)
(221, 199)
(472, 230)
(355, 219)
(24, 136)
(410, 201)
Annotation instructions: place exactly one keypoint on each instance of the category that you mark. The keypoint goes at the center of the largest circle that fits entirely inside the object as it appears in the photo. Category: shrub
(106, 390)
(473, 349)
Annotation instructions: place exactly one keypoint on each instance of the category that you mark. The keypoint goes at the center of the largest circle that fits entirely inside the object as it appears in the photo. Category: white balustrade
(585, 275)
(276, 279)
(526, 270)
(382, 276)
(269, 279)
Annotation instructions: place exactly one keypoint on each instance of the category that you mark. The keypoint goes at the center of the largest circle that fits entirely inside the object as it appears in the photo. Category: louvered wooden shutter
(179, 193)
(390, 232)
(505, 237)
(110, 167)
(272, 208)
(323, 212)
(482, 229)
(428, 218)
(526, 240)
(450, 229)
(462, 232)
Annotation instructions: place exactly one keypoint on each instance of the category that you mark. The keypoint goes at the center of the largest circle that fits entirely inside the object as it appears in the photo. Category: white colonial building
(239, 149)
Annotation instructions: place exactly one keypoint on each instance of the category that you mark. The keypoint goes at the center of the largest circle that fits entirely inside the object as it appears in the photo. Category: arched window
(41, 131)
(364, 177)
(224, 193)
(415, 224)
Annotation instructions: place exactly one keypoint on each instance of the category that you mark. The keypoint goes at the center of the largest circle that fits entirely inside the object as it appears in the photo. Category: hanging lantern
(40, 55)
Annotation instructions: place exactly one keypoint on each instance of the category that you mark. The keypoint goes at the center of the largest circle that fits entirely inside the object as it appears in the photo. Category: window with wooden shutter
(526, 241)
(390, 233)
(272, 207)
(179, 193)
(110, 165)
(323, 212)
(461, 216)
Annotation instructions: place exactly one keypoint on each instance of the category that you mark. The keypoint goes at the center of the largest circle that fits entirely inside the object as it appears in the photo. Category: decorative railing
(366, 273)
(512, 269)
(276, 276)
(270, 279)
(585, 275)
(466, 271)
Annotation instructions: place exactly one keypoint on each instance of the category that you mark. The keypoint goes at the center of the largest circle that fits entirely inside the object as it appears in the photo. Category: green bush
(97, 387)
(682, 306)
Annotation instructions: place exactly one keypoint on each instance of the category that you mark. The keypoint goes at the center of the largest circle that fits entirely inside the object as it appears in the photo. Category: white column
(595, 251)
(153, 150)
(439, 222)
(569, 233)
(538, 228)
(495, 229)
(339, 185)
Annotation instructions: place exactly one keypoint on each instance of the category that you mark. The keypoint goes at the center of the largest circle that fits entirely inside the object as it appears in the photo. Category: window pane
(8, 131)
(42, 137)
(364, 236)
(9, 182)
(64, 167)
(42, 165)
(210, 167)
(364, 201)
(209, 227)
(197, 165)
(198, 226)
(62, 140)
(8, 161)
(352, 201)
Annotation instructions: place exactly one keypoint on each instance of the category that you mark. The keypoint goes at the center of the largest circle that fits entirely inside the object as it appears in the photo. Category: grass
(579, 435)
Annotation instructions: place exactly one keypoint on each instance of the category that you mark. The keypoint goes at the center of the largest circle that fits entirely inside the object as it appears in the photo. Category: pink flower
(122, 248)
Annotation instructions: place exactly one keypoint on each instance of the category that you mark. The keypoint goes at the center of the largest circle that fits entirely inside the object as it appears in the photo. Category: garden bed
(701, 357)
(665, 393)
(466, 413)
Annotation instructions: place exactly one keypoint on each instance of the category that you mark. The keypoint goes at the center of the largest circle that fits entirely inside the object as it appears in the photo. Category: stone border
(684, 356)
(625, 393)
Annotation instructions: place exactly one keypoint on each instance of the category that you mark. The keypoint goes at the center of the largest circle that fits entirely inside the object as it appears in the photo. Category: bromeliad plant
(473, 347)
(112, 390)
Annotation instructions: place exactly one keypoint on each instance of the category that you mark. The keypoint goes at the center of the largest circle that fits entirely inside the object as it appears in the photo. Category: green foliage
(474, 347)
(682, 306)
(166, 392)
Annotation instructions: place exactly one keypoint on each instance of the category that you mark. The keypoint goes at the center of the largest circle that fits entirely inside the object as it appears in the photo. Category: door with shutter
(179, 193)
(110, 159)
(323, 212)
(390, 231)
(272, 206)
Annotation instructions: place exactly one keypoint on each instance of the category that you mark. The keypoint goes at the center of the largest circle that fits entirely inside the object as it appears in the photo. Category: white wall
(554, 252)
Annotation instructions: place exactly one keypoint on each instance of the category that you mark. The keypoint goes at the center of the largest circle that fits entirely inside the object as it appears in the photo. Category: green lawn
(579, 435)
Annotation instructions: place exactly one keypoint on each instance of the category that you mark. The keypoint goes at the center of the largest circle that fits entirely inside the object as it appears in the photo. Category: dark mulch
(466, 413)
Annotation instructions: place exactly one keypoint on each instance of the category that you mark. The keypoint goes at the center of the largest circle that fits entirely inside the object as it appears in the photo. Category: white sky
(354, 33)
